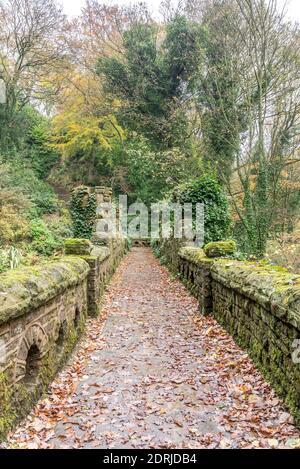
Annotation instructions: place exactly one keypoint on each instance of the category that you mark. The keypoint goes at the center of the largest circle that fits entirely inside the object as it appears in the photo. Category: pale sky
(73, 7)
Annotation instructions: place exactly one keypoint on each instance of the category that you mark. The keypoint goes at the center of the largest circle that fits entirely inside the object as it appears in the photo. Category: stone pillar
(103, 196)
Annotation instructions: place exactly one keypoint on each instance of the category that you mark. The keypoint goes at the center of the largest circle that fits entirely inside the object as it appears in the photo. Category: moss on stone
(78, 246)
(17, 401)
(267, 285)
(25, 289)
(258, 304)
(192, 254)
(220, 249)
(267, 363)
(97, 254)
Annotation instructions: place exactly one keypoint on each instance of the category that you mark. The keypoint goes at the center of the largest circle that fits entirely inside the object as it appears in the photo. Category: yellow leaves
(194, 431)
(273, 443)
(85, 122)
(117, 104)
(243, 388)
(211, 331)
(75, 133)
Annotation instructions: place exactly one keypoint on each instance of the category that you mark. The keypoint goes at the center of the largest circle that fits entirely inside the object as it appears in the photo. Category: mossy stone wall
(258, 304)
(103, 261)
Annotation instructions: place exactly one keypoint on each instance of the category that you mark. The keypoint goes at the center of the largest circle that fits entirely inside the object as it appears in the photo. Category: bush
(151, 174)
(14, 206)
(60, 224)
(14, 226)
(18, 177)
(44, 242)
(208, 191)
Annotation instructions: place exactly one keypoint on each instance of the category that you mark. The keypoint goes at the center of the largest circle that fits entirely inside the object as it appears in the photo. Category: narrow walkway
(154, 374)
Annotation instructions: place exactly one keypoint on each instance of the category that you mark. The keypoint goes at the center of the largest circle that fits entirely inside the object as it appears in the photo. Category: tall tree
(31, 49)
(223, 115)
(264, 137)
(153, 76)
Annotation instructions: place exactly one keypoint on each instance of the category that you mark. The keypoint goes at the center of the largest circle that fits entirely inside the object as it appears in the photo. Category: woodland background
(204, 100)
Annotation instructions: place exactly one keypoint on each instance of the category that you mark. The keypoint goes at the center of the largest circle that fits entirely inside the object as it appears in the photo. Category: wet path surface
(151, 373)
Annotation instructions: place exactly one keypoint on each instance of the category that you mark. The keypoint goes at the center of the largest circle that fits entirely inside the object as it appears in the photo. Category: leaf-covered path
(153, 374)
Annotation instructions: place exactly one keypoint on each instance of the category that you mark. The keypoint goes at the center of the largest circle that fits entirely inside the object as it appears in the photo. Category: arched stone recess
(33, 347)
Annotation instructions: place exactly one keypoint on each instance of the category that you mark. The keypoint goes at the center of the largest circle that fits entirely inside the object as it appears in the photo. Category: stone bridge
(159, 370)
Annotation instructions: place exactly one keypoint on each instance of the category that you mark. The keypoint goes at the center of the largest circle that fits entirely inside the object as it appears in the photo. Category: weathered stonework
(169, 249)
(43, 310)
(257, 303)
(220, 248)
(103, 200)
(195, 269)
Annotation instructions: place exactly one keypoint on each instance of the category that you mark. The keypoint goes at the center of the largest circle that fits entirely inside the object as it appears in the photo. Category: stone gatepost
(103, 196)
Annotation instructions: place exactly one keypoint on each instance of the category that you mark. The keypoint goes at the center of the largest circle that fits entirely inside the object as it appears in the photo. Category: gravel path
(152, 373)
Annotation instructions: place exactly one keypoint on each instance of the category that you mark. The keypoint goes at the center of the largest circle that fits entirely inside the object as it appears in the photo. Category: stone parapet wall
(43, 310)
(25, 289)
(258, 304)
(196, 270)
(102, 262)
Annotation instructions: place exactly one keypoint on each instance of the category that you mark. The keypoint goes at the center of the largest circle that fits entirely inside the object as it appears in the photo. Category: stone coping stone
(220, 248)
(99, 253)
(26, 289)
(194, 255)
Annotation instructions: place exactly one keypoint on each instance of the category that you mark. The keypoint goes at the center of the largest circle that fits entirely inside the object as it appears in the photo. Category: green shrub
(151, 173)
(60, 224)
(40, 153)
(18, 176)
(44, 199)
(78, 246)
(208, 191)
(155, 245)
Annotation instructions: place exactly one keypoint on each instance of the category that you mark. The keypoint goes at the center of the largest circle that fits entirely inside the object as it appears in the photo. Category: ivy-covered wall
(258, 304)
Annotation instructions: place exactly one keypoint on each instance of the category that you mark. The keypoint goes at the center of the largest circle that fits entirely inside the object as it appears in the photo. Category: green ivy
(83, 206)
(39, 152)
